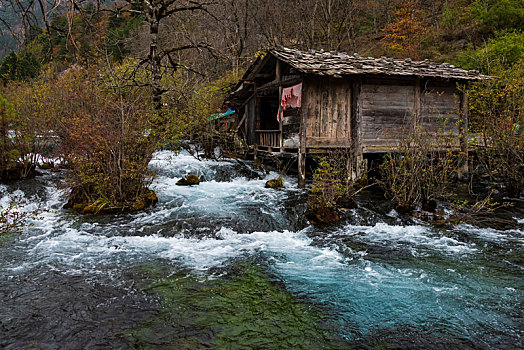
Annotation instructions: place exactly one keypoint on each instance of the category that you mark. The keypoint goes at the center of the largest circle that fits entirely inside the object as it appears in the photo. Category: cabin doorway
(268, 132)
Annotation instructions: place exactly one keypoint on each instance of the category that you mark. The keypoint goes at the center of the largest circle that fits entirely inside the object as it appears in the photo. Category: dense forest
(227, 34)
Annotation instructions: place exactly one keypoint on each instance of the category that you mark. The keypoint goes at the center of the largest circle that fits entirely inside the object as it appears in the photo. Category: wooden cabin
(344, 102)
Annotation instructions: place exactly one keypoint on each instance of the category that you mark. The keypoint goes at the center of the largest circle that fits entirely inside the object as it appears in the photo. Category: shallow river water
(230, 264)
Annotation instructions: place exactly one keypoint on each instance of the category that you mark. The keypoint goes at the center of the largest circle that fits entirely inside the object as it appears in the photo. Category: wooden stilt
(463, 172)
(357, 158)
(301, 162)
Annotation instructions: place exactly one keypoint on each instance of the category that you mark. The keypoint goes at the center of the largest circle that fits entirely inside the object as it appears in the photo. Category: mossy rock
(320, 214)
(189, 180)
(90, 209)
(140, 204)
(47, 166)
(275, 183)
(84, 206)
(78, 206)
(77, 199)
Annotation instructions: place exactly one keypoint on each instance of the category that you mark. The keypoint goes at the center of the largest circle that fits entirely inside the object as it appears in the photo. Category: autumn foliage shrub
(103, 130)
(331, 190)
(105, 136)
(497, 113)
(422, 169)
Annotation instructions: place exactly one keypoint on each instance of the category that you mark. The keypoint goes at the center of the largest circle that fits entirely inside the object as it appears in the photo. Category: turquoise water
(379, 279)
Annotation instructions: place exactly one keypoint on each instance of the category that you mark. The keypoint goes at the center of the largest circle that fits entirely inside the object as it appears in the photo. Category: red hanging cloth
(291, 98)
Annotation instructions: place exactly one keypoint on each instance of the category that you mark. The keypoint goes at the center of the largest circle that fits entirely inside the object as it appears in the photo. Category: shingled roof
(337, 64)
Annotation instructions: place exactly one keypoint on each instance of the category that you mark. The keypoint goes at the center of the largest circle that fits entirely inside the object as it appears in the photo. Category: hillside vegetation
(113, 81)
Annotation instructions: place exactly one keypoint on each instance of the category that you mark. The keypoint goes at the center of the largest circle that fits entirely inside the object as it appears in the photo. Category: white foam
(519, 221)
(77, 247)
(414, 236)
(491, 234)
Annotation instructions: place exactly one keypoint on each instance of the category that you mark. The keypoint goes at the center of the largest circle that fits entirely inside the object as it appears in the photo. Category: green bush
(500, 53)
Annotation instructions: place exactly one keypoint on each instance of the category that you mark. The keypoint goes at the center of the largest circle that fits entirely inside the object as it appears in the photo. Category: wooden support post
(278, 79)
(463, 172)
(302, 155)
(358, 165)
(416, 104)
(301, 160)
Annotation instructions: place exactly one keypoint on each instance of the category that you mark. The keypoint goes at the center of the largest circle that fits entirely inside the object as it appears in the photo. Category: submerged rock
(275, 183)
(189, 180)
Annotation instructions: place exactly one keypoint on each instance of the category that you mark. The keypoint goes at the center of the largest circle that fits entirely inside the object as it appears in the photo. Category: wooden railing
(268, 138)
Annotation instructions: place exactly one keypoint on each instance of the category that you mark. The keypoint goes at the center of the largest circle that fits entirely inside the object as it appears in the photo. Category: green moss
(5, 237)
(243, 311)
(189, 180)
(275, 183)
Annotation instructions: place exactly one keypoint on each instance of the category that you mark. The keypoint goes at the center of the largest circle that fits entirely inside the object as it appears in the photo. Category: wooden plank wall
(440, 101)
(387, 107)
(327, 110)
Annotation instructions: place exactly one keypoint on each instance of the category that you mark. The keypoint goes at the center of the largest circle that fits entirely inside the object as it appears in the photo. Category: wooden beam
(274, 85)
(242, 120)
(259, 75)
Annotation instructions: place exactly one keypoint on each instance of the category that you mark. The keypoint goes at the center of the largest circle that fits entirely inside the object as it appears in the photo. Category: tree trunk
(155, 59)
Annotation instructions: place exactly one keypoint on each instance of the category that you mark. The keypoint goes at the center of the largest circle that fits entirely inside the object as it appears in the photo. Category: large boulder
(189, 180)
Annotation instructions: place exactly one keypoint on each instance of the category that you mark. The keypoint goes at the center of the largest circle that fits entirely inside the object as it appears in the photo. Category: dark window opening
(268, 112)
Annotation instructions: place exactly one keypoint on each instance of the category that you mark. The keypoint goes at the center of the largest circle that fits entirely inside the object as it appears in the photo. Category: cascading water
(75, 281)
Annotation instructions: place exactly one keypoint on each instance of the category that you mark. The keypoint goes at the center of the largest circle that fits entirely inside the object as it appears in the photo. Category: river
(230, 264)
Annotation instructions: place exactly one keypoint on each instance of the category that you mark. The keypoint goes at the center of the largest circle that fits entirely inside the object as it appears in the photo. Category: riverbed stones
(189, 180)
